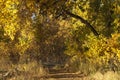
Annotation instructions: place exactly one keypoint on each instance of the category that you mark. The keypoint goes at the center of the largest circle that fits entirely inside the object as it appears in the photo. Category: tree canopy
(55, 30)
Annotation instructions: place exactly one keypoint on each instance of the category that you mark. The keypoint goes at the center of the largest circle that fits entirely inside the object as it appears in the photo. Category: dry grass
(109, 75)
(20, 71)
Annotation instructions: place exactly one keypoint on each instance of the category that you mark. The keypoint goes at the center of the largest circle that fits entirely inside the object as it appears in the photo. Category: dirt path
(63, 75)
(60, 74)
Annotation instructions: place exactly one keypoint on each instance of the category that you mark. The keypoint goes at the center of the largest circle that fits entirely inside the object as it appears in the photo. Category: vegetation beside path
(59, 38)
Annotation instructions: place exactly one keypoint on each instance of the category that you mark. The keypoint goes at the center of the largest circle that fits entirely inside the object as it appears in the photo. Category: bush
(98, 53)
(103, 52)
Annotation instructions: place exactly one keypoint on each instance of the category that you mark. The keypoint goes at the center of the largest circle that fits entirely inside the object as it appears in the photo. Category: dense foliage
(79, 32)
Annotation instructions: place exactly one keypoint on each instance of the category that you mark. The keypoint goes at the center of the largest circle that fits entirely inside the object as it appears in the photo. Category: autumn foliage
(73, 33)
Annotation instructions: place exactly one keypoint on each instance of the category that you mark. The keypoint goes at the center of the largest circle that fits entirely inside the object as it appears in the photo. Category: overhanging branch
(83, 21)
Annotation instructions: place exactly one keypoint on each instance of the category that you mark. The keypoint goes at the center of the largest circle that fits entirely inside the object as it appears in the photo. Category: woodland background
(77, 35)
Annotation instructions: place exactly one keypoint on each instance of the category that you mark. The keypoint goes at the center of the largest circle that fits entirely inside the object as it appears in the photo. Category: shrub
(98, 53)
(103, 52)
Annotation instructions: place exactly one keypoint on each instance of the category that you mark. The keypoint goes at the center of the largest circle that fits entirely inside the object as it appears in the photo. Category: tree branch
(83, 21)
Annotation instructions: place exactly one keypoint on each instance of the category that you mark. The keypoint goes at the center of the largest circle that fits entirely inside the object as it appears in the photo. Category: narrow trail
(60, 74)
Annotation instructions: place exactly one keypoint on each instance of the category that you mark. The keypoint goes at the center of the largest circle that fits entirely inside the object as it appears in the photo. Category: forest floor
(58, 74)
(62, 75)
(110, 75)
